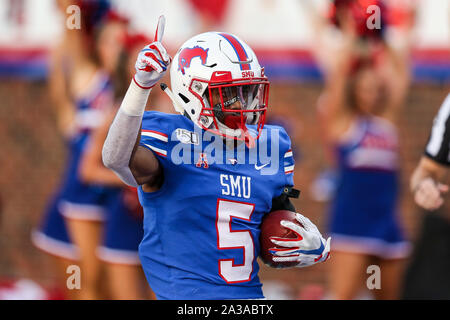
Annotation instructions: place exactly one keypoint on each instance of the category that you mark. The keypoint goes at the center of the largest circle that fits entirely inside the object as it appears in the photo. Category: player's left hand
(307, 249)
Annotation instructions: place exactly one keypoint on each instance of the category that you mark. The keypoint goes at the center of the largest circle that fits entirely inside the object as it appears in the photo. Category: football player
(206, 176)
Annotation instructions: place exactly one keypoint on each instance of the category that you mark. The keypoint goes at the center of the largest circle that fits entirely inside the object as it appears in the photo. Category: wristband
(140, 86)
(135, 100)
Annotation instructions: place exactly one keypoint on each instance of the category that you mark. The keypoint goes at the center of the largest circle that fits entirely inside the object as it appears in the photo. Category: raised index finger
(160, 28)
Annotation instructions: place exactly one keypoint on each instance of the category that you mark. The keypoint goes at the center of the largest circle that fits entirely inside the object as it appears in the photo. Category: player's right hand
(153, 60)
(428, 194)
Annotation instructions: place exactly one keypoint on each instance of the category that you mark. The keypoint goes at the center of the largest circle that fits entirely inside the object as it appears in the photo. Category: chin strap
(171, 96)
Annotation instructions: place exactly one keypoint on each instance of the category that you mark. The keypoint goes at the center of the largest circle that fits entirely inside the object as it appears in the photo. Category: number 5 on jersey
(227, 238)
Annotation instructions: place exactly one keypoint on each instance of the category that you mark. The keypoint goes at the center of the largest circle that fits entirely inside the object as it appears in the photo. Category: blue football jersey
(202, 227)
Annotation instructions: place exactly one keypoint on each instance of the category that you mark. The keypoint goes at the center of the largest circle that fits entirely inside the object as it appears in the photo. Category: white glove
(152, 61)
(428, 194)
(307, 249)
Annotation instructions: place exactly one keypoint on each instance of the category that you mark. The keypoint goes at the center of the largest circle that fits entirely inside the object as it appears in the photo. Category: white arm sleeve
(123, 133)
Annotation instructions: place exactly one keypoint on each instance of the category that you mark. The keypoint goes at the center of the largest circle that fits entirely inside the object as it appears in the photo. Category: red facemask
(235, 103)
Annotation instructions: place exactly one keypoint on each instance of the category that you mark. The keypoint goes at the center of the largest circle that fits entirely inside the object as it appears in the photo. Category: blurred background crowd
(60, 85)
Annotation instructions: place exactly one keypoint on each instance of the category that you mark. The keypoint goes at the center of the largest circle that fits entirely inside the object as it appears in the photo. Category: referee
(428, 274)
(433, 166)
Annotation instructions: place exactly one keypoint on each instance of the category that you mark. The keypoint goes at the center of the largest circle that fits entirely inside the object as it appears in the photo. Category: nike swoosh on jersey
(260, 167)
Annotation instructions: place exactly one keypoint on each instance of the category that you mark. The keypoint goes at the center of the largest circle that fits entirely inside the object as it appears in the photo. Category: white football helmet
(218, 83)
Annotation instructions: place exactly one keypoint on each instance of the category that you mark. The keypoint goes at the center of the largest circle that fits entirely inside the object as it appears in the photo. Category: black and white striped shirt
(438, 146)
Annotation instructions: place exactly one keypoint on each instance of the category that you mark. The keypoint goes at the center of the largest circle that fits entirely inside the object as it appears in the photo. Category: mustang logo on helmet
(187, 54)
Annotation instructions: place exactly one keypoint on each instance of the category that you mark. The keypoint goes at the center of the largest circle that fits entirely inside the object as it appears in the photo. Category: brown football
(271, 227)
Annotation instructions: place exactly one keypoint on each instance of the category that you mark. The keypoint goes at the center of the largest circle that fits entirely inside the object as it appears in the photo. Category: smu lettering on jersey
(201, 228)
